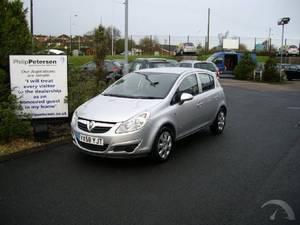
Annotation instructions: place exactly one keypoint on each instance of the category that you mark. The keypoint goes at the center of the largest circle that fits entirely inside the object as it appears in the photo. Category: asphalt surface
(219, 180)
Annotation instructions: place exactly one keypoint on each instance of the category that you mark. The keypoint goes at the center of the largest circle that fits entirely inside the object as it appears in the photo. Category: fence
(246, 43)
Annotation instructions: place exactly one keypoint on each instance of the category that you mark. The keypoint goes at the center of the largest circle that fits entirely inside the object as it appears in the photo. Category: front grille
(125, 148)
(96, 129)
(92, 147)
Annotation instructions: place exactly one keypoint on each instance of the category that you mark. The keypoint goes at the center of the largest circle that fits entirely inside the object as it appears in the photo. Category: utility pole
(31, 25)
(126, 35)
(208, 27)
(71, 32)
(112, 40)
(269, 39)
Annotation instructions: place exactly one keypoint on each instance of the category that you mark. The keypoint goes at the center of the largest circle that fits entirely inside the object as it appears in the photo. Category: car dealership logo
(90, 125)
(290, 215)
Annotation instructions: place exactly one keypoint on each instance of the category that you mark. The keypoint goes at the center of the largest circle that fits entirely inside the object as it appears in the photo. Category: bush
(271, 73)
(82, 87)
(11, 125)
(244, 69)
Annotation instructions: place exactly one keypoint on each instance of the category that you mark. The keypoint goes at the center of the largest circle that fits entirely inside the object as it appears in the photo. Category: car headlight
(74, 117)
(133, 124)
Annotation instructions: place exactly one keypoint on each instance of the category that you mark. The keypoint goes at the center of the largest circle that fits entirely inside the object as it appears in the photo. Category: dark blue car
(226, 61)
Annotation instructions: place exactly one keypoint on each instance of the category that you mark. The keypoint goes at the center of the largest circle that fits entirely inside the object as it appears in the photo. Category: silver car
(146, 111)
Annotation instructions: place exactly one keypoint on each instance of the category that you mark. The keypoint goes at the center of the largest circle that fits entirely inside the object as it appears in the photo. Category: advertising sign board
(40, 84)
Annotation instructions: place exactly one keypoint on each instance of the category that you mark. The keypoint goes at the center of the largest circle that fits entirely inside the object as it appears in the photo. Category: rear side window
(207, 82)
(206, 66)
(136, 66)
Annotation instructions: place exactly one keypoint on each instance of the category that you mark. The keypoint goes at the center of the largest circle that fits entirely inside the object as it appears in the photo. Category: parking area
(220, 180)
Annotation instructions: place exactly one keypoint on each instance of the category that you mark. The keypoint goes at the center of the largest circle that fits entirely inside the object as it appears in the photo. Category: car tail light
(218, 73)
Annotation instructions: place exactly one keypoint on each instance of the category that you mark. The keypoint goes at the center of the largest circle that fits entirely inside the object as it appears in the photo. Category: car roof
(194, 61)
(173, 70)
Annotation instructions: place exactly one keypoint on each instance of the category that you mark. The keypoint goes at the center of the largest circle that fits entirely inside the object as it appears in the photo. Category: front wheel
(163, 145)
(219, 123)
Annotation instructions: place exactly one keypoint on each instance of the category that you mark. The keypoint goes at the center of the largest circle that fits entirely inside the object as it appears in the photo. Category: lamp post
(281, 22)
(126, 36)
(71, 33)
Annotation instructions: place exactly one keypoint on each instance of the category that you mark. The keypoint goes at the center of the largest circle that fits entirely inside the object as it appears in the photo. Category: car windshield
(142, 85)
(293, 46)
(189, 65)
(189, 44)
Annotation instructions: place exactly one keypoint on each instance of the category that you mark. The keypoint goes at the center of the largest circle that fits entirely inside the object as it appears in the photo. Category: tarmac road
(219, 180)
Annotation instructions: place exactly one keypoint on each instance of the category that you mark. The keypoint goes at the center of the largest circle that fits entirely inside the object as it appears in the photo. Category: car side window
(136, 66)
(218, 60)
(207, 82)
(188, 85)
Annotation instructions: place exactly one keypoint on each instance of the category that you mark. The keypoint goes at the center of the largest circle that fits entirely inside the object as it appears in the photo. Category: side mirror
(185, 97)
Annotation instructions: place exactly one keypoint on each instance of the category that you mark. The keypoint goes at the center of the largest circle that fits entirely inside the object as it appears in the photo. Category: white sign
(231, 43)
(41, 84)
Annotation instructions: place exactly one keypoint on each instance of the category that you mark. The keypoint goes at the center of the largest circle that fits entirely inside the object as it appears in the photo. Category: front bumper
(135, 144)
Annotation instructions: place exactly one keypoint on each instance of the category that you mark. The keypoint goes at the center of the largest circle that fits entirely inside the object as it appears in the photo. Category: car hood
(115, 109)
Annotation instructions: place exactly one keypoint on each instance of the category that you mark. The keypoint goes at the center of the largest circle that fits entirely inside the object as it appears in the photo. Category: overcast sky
(251, 18)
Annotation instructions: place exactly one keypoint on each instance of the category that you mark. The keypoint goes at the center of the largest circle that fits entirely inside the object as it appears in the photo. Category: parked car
(186, 48)
(146, 111)
(226, 61)
(205, 65)
(292, 72)
(51, 52)
(290, 50)
(293, 50)
(145, 63)
(113, 69)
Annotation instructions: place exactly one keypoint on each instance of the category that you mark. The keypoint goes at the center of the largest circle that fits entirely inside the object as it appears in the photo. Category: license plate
(91, 140)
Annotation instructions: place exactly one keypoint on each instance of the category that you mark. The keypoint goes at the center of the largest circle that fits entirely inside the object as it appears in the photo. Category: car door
(185, 113)
(207, 101)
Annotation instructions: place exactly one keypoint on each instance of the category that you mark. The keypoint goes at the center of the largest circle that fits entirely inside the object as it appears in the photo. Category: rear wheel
(219, 123)
(162, 145)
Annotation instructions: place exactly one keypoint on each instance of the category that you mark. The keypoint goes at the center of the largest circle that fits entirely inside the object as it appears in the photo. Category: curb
(37, 149)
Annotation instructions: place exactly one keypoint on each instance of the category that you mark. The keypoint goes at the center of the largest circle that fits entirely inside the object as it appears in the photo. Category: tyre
(219, 123)
(163, 145)
(181, 52)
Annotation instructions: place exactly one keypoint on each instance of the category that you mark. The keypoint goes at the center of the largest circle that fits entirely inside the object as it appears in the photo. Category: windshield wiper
(152, 83)
(114, 95)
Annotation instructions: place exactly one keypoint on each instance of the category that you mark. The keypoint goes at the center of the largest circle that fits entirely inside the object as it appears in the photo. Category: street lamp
(71, 32)
(126, 36)
(282, 22)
